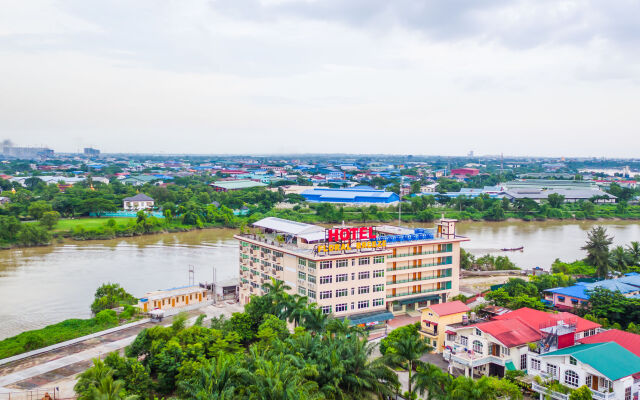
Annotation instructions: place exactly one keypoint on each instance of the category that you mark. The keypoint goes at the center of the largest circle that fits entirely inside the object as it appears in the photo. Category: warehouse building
(357, 195)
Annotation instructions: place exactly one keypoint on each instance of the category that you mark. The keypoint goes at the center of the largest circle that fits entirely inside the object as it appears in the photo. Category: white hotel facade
(416, 268)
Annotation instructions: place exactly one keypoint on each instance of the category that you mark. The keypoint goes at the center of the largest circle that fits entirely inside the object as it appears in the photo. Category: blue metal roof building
(358, 194)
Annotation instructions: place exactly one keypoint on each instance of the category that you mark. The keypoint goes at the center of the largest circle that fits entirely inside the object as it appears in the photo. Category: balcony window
(571, 378)
(477, 346)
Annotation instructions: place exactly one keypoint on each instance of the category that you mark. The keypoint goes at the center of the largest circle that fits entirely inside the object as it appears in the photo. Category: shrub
(107, 317)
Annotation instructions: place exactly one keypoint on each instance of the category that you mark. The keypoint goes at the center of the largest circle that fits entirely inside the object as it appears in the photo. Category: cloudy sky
(525, 77)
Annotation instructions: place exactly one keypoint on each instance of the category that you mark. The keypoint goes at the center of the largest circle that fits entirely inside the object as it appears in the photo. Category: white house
(138, 202)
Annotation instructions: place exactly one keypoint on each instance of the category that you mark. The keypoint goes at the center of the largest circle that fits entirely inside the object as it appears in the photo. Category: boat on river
(514, 249)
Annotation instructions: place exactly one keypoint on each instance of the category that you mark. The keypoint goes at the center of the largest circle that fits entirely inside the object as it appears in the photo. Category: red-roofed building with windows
(508, 341)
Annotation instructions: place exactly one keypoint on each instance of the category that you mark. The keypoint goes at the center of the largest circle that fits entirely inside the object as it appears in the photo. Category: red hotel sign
(349, 234)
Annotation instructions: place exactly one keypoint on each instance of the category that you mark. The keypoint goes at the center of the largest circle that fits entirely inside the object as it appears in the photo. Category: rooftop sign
(350, 234)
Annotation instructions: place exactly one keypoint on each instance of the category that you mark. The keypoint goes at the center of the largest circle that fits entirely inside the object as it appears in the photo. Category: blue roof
(577, 291)
(627, 284)
(359, 194)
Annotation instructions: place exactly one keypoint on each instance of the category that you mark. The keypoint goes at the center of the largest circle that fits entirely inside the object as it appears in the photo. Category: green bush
(107, 317)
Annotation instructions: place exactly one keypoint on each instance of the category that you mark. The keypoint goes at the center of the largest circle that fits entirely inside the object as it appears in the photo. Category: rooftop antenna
(192, 278)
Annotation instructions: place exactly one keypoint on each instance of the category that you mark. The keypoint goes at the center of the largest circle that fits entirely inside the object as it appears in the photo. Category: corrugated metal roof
(231, 185)
(286, 226)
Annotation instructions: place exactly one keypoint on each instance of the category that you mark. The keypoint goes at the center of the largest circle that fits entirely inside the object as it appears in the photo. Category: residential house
(571, 296)
(436, 317)
(608, 369)
(502, 343)
(138, 202)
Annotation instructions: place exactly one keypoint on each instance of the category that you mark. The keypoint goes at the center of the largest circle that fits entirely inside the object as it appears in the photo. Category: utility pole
(192, 278)
(213, 286)
(400, 203)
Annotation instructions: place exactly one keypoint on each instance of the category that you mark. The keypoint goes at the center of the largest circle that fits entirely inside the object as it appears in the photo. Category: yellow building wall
(437, 341)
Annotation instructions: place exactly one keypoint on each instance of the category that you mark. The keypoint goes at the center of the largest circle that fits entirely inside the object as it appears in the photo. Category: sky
(519, 77)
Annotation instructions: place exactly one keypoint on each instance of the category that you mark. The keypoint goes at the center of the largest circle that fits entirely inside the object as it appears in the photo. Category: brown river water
(45, 285)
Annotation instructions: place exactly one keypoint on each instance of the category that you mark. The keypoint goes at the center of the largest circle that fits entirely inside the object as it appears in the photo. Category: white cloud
(548, 77)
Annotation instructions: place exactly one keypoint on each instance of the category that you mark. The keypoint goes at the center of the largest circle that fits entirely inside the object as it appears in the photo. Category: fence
(35, 394)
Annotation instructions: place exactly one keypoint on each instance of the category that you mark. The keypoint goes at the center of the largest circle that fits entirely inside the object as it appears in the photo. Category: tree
(96, 205)
(633, 249)
(91, 378)
(216, 379)
(38, 208)
(109, 389)
(32, 235)
(432, 379)
(597, 247)
(619, 259)
(49, 219)
(110, 295)
(581, 393)
(407, 350)
(555, 200)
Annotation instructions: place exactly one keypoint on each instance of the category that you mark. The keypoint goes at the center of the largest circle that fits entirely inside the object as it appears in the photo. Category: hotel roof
(287, 226)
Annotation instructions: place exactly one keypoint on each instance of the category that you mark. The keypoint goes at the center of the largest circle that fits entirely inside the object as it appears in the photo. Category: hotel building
(362, 277)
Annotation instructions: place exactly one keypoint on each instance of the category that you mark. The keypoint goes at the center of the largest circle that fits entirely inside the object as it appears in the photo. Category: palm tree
(407, 350)
(362, 373)
(619, 259)
(597, 247)
(314, 319)
(277, 379)
(108, 389)
(215, 380)
(296, 309)
(278, 296)
(432, 379)
(633, 250)
(91, 378)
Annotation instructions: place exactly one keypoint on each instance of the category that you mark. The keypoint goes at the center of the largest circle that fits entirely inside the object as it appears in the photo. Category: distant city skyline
(525, 77)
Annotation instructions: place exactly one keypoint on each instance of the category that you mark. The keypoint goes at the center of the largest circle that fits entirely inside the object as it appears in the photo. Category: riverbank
(92, 228)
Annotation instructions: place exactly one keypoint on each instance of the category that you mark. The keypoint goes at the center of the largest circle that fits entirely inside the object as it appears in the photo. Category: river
(45, 285)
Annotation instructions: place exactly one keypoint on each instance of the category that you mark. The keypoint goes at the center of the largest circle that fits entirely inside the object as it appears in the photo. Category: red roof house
(510, 332)
(452, 307)
(539, 319)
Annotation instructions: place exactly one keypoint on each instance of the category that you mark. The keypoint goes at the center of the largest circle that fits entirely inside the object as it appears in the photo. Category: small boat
(514, 249)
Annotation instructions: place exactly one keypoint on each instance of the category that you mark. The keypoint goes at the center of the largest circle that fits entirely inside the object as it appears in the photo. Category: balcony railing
(424, 253)
(426, 278)
(414, 293)
(418, 266)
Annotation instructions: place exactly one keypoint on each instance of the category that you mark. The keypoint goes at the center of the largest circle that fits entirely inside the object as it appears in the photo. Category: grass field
(88, 223)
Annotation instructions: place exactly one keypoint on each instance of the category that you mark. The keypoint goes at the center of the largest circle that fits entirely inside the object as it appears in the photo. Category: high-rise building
(364, 273)
(26, 153)
(91, 152)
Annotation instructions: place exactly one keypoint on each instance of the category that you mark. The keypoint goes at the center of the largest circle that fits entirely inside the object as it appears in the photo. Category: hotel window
(378, 288)
(342, 292)
(277, 267)
(302, 261)
(325, 294)
(571, 378)
(326, 310)
(363, 275)
(325, 264)
(463, 340)
(311, 278)
(363, 289)
(326, 279)
(342, 263)
(363, 304)
(341, 307)
(312, 265)
(379, 273)
(552, 370)
(302, 291)
(378, 302)
(353, 291)
(277, 254)
(266, 251)
(535, 364)
(523, 361)
(378, 259)
(364, 261)
(342, 277)
(302, 275)
(312, 294)
(573, 361)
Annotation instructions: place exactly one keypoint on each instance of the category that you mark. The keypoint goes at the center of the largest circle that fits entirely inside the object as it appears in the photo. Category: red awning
(448, 332)
(429, 322)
